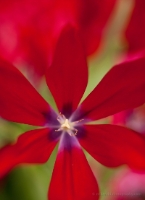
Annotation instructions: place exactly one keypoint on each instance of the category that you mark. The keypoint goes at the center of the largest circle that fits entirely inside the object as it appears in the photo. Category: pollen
(67, 125)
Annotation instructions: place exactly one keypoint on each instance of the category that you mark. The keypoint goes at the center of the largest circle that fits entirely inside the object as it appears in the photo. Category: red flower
(121, 88)
(31, 28)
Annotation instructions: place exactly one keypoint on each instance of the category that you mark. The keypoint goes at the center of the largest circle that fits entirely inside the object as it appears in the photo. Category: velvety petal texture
(67, 77)
(72, 177)
(34, 146)
(114, 145)
(123, 87)
(19, 101)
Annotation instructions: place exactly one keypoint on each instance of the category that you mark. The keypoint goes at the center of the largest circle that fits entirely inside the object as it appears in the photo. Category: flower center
(66, 125)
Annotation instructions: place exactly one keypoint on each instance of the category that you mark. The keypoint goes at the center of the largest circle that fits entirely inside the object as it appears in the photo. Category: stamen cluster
(66, 125)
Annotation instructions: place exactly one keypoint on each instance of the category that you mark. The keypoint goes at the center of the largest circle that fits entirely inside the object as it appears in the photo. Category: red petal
(19, 101)
(32, 147)
(67, 77)
(92, 16)
(23, 39)
(114, 145)
(134, 34)
(72, 177)
(123, 87)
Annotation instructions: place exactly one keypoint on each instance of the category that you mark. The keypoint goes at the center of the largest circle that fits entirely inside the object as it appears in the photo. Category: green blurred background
(29, 182)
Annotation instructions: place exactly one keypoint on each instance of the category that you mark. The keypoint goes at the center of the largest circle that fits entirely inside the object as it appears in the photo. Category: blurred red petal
(123, 87)
(114, 145)
(67, 77)
(72, 177)
(135, 32)
(121, 117)
(31, 28)
(34, 146)
(92, 17)
(19, 101)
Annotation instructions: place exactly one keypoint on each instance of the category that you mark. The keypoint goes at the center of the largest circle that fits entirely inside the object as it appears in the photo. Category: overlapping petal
(72, 177)
(19, 101)
(114, 145)
(67, 77)
(123, 87)
(34, 146)
(34, 27)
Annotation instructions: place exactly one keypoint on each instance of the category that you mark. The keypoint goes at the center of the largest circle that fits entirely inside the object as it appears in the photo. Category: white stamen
(66, 125)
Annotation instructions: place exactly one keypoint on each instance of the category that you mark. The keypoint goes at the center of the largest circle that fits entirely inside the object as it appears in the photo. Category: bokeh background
(31, 182)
